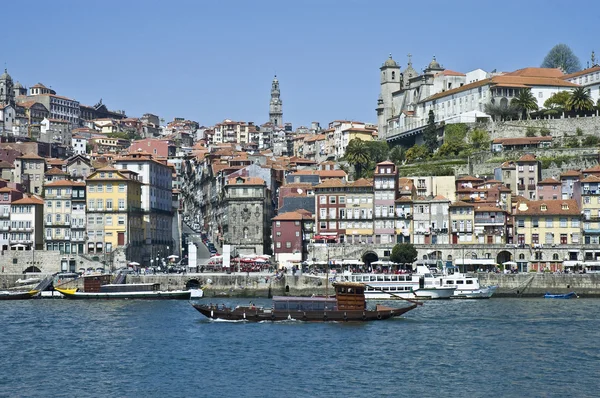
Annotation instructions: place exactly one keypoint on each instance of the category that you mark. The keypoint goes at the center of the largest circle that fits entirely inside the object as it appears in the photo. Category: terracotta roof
(406, 199)
(56, 171)
(30, 156)
(440, 197)
(527, 158)
(549, 181)
(582, 72)
(554, 207)
(6, 165)
(320, 137)
(331, 183)
(449, 72)
(461, 204)
(537, 72)
(292, 216)
(363, 182)
(527, 77)
(591, 178)
(65, 183)
(29, 200)
(246, 181)
(571, 173)
(385, 163)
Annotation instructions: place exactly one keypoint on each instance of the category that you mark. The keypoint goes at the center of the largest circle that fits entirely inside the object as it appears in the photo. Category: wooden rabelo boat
(99, 287)
(18, 295)
(348, 305)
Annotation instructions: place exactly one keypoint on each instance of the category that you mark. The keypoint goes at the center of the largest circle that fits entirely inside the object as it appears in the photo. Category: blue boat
(561, 296)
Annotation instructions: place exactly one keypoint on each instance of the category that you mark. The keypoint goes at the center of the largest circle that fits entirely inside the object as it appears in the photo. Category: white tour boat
(398, 286)
(467, 286)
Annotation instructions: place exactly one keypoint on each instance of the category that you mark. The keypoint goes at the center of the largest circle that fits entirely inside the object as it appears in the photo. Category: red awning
(325, 237)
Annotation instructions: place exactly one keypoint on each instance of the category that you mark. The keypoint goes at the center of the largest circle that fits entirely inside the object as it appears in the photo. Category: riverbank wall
(263, 285)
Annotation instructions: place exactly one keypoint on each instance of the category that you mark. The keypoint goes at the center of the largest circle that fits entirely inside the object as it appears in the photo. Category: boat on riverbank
(348, 305)
(399, 286)
(467, 286)
(561, 296)
(17, 295)
(99, 287)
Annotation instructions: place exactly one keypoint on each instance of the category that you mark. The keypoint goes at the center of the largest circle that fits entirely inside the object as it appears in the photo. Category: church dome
(18, 85)
(434, 64)
(5, 76)
(390, 62)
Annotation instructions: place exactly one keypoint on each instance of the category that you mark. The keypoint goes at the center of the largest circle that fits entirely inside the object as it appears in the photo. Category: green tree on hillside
(417, 152)
(557, 100)
(580, 100)
(398, 154)
(561, 56)
(379, 151)
(524, 102)
(479, 139)
(430, 133)
(357, 154)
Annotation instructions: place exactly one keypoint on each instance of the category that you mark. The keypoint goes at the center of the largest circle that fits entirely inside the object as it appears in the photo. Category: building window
(288, 245)
(535, 239)
(278, 245)
(563, 239)
(278, 223)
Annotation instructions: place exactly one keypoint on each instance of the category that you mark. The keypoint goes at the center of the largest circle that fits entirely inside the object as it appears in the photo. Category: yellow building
(462, 221)
(114, 212)
(590, 209)
(543, 223)
(357, 216)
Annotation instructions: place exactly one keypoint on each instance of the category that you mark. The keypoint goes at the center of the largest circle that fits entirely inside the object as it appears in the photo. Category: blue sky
(214, 60)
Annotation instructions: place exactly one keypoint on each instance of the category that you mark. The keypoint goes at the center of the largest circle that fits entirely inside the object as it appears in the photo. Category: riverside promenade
(243, 284)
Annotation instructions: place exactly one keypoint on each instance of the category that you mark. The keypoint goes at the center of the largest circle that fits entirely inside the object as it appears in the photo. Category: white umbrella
(172, 256)
(134, 263)
(509, 263)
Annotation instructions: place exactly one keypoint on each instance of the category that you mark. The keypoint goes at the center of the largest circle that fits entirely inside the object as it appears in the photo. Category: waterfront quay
(242, 284)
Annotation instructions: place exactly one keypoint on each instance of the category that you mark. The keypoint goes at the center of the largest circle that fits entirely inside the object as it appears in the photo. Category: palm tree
(580, 100)
(357, 155)
(525, 102)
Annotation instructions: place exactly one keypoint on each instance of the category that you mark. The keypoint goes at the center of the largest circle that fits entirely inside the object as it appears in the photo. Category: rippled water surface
(497, 347)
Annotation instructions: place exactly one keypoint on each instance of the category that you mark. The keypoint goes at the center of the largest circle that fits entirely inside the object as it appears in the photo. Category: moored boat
(467, 286)
(399, 286)
(569, 295)
(348, 305)
(99, 287)
(17, 295)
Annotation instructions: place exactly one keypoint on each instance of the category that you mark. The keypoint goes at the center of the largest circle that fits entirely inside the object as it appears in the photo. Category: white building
(588, 78)
(79, 144)
(406, 98)
(26, 228)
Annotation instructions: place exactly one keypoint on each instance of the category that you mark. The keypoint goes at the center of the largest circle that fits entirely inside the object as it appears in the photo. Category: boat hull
(17, 295)
(482, 293)
(435, 293)
(561, 296)
(257, 314)
(146, 295)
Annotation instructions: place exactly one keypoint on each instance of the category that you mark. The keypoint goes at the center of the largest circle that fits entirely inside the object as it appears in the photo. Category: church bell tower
(7, 95)
(275, 111)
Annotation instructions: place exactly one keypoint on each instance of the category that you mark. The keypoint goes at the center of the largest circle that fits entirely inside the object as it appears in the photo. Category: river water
(496, 347)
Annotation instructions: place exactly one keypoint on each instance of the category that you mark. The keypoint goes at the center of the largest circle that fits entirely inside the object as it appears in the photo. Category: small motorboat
(561, 296)
(17, 295)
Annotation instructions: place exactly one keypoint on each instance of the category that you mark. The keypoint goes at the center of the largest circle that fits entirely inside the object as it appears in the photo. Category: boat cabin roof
(303, 299)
